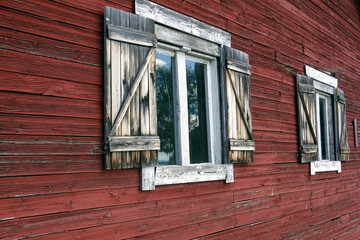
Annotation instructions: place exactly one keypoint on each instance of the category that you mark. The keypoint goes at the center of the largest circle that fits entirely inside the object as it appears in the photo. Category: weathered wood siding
(52, 182)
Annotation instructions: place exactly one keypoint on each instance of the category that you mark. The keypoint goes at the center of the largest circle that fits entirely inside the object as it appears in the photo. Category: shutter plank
(116, 93)
(134, 143)
(144, 111)
(134, 106)
(242, 145)
(130, 36)
(240, 134)
(246, 102)
(107, 89)
(232, 112)
(224, 108)
(152, 94)
(124, 129)
(232, 126)
(115, 82)
(152, 106)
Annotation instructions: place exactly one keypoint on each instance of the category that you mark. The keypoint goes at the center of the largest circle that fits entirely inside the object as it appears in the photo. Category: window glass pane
(165, 109)
(195, 77)
(323, 129)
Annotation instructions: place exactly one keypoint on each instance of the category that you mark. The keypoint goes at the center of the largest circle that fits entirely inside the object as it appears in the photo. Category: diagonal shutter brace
(131, 93)
(239, 105)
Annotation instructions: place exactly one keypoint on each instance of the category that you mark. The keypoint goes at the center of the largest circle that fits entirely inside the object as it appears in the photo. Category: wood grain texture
(52, 182)
(307, 119)
(238, 104)
(130, 87)
(342, 126)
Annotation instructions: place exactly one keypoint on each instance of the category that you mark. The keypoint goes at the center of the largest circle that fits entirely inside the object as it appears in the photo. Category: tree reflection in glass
(195, 76)
(165, 112)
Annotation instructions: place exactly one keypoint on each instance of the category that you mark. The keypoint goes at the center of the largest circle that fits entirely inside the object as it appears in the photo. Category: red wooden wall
(52, 185)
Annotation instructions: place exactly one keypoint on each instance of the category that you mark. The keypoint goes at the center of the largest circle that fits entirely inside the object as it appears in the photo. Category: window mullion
(181, 111)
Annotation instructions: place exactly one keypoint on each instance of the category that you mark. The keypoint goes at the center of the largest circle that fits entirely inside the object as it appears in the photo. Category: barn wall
(52, 182)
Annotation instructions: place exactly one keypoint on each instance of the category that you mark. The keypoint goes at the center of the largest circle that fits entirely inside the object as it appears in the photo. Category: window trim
(190, 31)
(323, 83)
(181, 22)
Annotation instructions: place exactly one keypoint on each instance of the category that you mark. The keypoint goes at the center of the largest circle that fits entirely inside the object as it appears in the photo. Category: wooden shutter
(130, 97)
(306, 100)
(343, 145)
(238, 143)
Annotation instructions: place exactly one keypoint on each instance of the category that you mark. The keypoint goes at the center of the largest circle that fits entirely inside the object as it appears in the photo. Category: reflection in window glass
(165, 112)
(323, 129)
(195, 77)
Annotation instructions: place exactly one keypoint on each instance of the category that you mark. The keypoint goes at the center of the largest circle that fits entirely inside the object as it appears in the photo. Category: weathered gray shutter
(306, 100)
(130, 97)
(238, 143)
(343, 147)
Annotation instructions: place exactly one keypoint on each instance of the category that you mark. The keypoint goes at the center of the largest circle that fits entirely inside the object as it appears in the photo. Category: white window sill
(174, 174)
(325, 166)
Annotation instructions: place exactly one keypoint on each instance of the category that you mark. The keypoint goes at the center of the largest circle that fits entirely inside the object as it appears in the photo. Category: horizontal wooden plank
(43, 46)
(25, 83)
(97, 6)
(181, 22)
(187, 41)
(30, 104)
(48, 67)
(134, 143)
(166, 207)
(132, 36)
(58, 12)
(36, 25)
(165, 175)
(189, 203)
(49, 145)
(242, 145)
(250, 231)
(306, 88)
(47, 185)
(13, 208)
(142, 226)
(309, 148)
(75, 220)
(33, 165)
(318, 75)
(238, 66)
(192, 231)
(54, 126)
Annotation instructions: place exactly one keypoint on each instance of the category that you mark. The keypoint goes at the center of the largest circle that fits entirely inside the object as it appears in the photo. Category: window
(190, 81)
(324, 123)
(321, 121)
(177, 98)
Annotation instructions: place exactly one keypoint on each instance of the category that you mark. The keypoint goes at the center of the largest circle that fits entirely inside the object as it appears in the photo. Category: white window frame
(326, 98)
(323, 83)
(190, 31)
